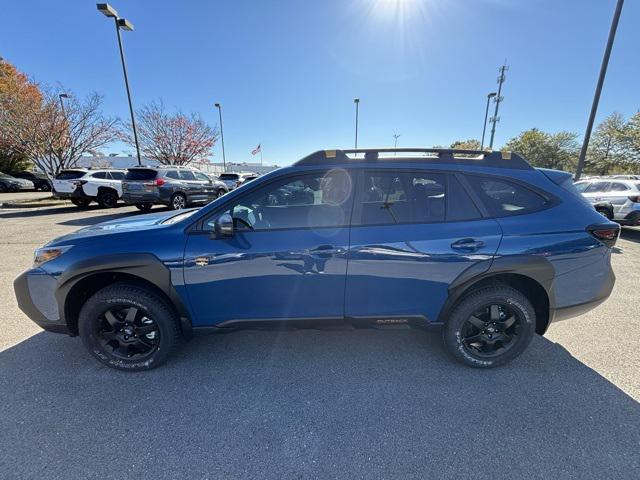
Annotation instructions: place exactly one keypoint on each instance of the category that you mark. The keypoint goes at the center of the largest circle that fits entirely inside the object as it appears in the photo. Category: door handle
(325, 250)
(468, 244)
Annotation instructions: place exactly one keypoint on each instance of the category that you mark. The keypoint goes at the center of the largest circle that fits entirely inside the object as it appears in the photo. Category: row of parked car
(172, 186)
(24, 180)
(616, 197)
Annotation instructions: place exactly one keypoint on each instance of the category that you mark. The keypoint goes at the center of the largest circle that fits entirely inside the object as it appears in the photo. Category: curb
(49, 203)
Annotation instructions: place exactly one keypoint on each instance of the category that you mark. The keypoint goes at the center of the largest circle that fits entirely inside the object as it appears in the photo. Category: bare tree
(53, 137)
(172, 139)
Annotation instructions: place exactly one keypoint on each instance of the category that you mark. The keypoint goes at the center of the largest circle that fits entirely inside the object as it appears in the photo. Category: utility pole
(495, 119)
(224, 158)
(596, 96)
(357, 102)
(486, 114)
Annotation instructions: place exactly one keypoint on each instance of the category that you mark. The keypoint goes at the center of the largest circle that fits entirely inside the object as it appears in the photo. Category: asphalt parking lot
(309, 404)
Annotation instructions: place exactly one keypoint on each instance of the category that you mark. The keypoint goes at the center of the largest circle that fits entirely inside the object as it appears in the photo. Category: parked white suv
(83, 186)
(617, 199)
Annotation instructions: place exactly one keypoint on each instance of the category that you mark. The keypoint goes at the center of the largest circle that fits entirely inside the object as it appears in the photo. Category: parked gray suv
(175, 187)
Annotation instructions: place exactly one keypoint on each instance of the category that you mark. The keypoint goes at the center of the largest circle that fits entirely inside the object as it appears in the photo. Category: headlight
(44, 254)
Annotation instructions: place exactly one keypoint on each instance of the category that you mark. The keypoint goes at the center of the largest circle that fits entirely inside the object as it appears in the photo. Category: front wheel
(128, 327)
(490, 327)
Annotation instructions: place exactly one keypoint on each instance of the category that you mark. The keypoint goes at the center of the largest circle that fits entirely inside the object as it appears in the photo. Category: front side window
(618, 187)
(187, 175)
(304, 201)
(597, 187)
(389, 197)
(201, 176)
(504, 198)
(173, 174)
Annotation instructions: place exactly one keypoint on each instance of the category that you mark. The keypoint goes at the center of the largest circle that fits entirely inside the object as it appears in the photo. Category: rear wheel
(490, 327)
(143, 207)
(80, 202)
(607, 212)
(220, 193)
(108, 199)
(128, 327)
(178, 201)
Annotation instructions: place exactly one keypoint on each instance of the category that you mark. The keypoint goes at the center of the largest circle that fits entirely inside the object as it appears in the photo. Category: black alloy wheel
(128, 332)
(491, 330)
(490, 326)
(108, 199)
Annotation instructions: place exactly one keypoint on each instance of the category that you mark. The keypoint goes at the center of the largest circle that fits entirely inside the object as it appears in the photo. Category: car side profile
(478, 243)
(9, 183)
(617, 199)
(83, 186)
(40, 180)
(173, 186)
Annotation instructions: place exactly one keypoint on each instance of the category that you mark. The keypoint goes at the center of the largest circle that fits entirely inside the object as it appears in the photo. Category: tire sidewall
(102, 302)
(452, 332)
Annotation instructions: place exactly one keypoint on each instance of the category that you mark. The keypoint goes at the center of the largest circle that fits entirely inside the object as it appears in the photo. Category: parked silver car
(617, 199)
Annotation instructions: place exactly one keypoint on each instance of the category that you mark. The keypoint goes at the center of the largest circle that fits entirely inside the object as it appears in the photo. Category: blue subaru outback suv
(477, 242)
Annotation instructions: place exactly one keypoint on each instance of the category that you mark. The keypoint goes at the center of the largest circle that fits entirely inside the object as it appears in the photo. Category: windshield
(228, 176)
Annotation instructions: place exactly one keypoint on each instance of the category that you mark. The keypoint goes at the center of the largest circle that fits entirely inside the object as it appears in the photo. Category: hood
(132, 223)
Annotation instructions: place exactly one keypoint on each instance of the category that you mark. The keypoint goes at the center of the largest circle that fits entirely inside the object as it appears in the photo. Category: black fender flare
(142, 265)
(535, 267)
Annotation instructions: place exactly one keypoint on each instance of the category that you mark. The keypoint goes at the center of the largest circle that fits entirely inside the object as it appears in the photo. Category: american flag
(256, 150)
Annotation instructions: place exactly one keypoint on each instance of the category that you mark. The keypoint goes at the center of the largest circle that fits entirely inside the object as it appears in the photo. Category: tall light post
(486, 114)
(357, 102)
(122, 24)
(224, 158)
(596, 96)
(61, 96)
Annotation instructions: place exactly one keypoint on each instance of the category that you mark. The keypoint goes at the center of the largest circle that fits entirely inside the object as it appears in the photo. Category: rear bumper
(34, 291)
(570, 311)
(142, 197)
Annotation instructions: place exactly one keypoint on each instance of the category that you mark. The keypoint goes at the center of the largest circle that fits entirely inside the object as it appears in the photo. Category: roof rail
(487, 158)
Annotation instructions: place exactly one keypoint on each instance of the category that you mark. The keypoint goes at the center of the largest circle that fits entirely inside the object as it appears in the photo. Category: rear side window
(100, 175)
(460, 205)
(70, 174)
(389, 197)
(229, 176)
(597, 187)
(504, 198)
(618, 187)
(140, 174)
(117, 175)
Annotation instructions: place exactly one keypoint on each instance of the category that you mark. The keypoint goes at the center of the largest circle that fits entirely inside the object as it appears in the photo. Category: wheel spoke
(506, 323)
(473, 339)
(131, 314)
(143, 330)
(111, 318)
(494, 313)
(476, 322)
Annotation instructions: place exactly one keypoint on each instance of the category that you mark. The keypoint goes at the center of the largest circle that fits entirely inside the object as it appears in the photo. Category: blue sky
(286, 71)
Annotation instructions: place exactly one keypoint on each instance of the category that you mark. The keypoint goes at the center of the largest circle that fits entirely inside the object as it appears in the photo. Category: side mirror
(224, 226)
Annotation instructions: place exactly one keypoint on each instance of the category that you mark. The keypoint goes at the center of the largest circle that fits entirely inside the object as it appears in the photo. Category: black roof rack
(487, 158)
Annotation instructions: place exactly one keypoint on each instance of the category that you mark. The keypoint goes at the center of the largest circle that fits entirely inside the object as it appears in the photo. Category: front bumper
(35, 292)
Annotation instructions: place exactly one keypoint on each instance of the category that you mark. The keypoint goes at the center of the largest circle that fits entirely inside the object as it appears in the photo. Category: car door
(596, 192)
(208, 188)
(287, 258)
(413, 233)
(618, 194)
(116, 181)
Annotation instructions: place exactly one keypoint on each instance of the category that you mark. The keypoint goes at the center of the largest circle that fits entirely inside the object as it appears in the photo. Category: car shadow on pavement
(311, 404)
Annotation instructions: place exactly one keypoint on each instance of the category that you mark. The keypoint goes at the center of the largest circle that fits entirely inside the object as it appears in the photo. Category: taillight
(606, 233)
(159, 182)
(635, 199)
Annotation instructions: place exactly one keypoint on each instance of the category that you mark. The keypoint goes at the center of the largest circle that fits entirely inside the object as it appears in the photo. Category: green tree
(470, 144)
(607, 147)
(547, 150)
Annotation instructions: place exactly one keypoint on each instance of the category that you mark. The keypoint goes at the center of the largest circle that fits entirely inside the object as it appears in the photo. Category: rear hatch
(231, 180)
(64, 182)
(139, 180)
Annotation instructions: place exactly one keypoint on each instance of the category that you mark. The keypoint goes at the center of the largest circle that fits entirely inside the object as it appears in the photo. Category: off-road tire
(472, 302)
(149, 304)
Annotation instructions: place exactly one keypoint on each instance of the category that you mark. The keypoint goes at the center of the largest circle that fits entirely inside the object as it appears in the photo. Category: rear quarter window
(504, 198)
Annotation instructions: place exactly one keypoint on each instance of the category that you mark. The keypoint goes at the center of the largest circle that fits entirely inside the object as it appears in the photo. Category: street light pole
(122, 23)
(357, 102)
(61, 96)
(596, 96)
(486, 114)
(224, 158)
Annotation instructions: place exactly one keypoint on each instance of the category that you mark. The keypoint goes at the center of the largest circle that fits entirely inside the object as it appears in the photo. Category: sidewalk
(27, 200)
